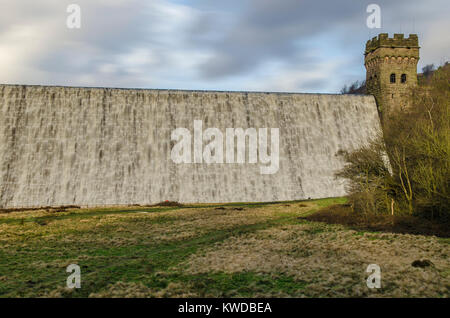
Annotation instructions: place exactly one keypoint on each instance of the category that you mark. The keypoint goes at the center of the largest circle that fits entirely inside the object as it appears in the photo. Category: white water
(94, 146)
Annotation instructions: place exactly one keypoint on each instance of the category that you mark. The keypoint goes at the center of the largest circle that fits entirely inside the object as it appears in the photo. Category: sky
(311, 46)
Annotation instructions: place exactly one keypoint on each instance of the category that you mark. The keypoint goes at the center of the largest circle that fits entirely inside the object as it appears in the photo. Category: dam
(110, 146)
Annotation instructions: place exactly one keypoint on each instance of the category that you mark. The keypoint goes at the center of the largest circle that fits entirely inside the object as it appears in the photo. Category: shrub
(418, 147)
(370, 180)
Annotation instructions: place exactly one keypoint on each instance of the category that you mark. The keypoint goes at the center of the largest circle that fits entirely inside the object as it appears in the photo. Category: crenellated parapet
(383, 40)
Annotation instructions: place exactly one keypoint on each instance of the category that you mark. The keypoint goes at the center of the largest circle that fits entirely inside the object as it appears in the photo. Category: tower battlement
(391, 65)
(383, 40)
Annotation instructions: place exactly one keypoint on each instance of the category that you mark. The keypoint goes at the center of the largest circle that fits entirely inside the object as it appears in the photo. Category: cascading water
(102, 146)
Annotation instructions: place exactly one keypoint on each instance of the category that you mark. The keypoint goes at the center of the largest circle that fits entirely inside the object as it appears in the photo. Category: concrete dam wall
(102, 146)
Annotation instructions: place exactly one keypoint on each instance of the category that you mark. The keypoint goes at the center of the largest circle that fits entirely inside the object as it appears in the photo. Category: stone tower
(391, 70)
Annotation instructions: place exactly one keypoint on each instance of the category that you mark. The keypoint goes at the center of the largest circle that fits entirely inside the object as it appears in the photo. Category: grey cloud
(318, 84)
(205, 44)
(270, 30)
(110, 31)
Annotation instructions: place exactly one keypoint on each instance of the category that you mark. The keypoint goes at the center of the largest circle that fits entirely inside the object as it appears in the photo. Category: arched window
(403, 78)
(392, 78)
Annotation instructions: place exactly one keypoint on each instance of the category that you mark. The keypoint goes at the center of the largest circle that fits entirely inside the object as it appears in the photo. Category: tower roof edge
(398, 40)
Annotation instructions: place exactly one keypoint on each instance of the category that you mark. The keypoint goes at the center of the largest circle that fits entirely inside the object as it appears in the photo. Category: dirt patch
(421, 263)
(342, 214)
(62, 208)
(167, 203)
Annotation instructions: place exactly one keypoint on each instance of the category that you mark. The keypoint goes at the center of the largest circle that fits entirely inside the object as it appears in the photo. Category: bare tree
(428, 69)
(356, 87)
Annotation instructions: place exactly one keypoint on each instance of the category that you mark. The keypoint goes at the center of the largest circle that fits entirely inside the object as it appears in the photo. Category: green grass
(107, 211)
(244, 284)
(444, 240)
(34, 265)
(151, 252)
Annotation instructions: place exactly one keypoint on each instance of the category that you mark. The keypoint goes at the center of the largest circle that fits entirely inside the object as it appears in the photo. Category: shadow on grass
(342, 214)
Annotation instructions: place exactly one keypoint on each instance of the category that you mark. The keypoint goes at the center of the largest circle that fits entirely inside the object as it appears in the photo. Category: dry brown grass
(332, 260)
(184, 252)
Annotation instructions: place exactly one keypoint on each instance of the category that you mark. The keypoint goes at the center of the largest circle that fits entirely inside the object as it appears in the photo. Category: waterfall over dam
(107, 146)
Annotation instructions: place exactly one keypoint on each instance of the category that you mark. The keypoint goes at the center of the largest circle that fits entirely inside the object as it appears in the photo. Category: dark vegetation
(356, 87)
(359, 87)
(169, 203)
(406, 172)
(428, 70)
(379, 222)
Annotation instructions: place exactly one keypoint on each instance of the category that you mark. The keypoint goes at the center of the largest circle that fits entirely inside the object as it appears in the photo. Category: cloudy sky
(253, 45)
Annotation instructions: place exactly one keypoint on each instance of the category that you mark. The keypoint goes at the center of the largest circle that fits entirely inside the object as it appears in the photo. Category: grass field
(234, 250)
